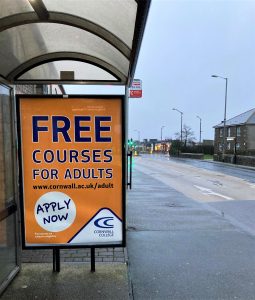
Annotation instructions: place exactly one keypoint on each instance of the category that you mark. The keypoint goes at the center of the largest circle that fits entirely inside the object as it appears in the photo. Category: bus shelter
(45, 42)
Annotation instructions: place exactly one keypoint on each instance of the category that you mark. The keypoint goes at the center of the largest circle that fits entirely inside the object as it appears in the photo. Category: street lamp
(225, 113)
(138, 132)
(181, 120)
(200, 130)
(162, 127)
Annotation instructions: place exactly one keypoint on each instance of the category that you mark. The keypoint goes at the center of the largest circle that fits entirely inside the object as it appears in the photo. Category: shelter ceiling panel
(116, 16)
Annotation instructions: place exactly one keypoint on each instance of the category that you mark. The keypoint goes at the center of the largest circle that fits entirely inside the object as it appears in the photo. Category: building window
(229, 134)
(220, 147)
(237, 146)
(221, 132)
(228, 146)
(238, 131)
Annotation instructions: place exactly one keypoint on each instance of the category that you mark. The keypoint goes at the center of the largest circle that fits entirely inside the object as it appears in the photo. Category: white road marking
(210, 192)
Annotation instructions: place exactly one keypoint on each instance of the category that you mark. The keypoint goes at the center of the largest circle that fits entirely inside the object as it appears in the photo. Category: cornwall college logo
(105, 226)
(104, 222)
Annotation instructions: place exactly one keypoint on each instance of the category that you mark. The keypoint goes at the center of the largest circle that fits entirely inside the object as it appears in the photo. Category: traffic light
(130, 142)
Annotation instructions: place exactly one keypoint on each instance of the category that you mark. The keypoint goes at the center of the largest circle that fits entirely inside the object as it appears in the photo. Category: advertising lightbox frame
(122, 100)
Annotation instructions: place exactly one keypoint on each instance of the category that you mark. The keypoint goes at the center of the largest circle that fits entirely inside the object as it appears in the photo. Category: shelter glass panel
(46, 38)
(82, 71)
(6, 154)
(10, 7)
(117, 16)
(8, 248)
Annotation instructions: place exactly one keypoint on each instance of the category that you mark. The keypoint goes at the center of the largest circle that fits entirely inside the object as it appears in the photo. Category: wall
(191, 155)
(25, 89)
(240, 159)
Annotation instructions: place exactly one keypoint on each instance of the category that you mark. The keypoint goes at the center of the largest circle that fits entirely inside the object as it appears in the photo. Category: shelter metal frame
(40, 14)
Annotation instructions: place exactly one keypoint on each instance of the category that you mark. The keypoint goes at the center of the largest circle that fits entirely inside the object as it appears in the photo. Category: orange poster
(72, 170)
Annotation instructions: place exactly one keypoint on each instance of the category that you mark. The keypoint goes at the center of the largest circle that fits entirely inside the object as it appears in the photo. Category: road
(228, 169)
(228, 190)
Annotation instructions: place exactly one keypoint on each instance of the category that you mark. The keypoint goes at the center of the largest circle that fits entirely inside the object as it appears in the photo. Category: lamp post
(138, 132)
(225, 113)
(200, 130)
(181, 120)
(162, 127)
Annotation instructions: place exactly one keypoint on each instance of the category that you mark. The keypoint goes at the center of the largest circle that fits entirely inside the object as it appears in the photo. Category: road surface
(227, 189)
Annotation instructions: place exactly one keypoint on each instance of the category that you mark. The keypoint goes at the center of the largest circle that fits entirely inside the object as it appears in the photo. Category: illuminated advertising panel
(72, 170)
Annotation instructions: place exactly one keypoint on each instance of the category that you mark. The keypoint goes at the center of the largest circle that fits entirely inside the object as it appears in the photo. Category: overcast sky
(185, 42)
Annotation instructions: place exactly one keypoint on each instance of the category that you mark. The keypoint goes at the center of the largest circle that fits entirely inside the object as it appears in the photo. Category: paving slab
(75, 281)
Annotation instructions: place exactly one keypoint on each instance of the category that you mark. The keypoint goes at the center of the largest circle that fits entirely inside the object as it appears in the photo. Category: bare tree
(187, 135)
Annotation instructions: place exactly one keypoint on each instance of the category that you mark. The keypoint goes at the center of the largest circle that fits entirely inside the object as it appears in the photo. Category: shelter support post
(129, 168)
(92, 260)
(56, 260)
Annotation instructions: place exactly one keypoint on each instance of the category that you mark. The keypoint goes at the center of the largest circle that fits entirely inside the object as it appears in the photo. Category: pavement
(75, 281)
(176, 249)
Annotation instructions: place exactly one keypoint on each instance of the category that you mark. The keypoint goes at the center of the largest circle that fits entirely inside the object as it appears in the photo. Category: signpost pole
(130, 172)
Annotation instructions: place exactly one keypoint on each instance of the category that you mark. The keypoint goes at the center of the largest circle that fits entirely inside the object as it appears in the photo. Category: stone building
(239, 136)
(39, 89)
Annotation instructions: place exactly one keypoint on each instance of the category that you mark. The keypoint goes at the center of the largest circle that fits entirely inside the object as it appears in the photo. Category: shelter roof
(68, 41)
(247, 117)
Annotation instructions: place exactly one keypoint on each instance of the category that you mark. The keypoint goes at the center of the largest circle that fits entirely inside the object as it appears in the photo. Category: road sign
(72, 171)
(136, 89)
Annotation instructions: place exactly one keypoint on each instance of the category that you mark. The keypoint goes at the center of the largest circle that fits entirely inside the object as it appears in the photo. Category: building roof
(93, 41)
(247, 117)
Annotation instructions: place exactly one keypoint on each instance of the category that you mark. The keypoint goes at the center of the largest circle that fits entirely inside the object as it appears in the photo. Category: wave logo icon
(104, 222)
